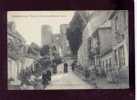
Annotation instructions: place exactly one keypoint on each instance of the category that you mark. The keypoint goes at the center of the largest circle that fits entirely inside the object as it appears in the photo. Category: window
(103, 64)
(121, 54)
(116, 60)
(95, 42)
(110, 62)
(89, 44)
(106, 64)
(116, 24)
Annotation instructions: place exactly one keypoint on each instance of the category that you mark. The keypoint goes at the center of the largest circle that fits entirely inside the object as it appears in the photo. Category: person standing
(73, 65)
(49, 75)
(54, 68)
(65, 67)
(44, 79)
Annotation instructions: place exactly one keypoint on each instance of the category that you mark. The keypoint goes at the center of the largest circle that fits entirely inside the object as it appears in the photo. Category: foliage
(74, 35)
(44, 50)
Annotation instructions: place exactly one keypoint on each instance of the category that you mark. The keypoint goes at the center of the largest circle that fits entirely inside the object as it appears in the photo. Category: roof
(13, 32)
(106, 52)
(105, 39)
(107, 24)
(112, 14)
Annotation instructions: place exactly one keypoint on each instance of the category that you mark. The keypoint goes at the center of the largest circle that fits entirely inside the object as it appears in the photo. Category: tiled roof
(17, 36)
(13, 32)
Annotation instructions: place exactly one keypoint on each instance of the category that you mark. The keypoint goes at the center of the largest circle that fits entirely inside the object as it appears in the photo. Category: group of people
(46, 76)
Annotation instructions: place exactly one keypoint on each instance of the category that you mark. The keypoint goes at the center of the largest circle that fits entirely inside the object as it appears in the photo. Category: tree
(44, 50)
(75, 39)
(74, 33)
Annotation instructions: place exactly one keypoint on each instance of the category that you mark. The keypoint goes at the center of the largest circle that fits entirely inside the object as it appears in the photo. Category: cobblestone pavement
(68, 81)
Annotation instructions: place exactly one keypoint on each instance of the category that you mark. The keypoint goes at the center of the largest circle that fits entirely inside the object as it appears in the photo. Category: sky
(28, 23)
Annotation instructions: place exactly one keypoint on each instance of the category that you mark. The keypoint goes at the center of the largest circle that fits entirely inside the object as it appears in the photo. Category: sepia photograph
(65, 50)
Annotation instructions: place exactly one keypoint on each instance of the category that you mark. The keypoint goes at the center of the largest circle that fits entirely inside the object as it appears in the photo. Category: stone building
(46, 35)
(106, 37)
(120, 43)
(101, 49)
(16, 47)
(56, 45)
(105, 45)
(20, 55)
(31, 55)
(114, 47)
(97, 18)
(64, 41)
(47, 38)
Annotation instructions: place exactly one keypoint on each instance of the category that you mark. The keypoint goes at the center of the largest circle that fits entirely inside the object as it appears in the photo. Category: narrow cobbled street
(67, 81)
(68, 50)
